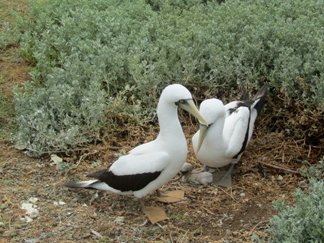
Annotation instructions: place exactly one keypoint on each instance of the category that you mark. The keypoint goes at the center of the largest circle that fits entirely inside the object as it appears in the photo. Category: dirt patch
(208, 213)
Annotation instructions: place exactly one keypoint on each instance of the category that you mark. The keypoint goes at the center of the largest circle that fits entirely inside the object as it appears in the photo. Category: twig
(283, 154)
(309, 151)
(279, 168)
(228, 193)
(80, 160)
(208, 210)
(260, 222)
(96, 233)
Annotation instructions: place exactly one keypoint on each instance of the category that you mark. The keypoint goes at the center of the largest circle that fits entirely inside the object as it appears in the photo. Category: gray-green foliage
(97, 58)
(303, 222)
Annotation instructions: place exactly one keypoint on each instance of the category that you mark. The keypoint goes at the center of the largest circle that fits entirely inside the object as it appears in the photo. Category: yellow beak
(190, 106)
(202, 134)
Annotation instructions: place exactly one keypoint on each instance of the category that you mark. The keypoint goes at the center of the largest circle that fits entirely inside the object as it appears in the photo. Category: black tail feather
(261, 95)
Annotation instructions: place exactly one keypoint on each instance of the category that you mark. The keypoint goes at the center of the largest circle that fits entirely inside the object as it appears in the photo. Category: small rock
(31, 240)
(31, 210)
(56, 159)
(26, 219)
(119, 219)
(59, 203)
(33, 199)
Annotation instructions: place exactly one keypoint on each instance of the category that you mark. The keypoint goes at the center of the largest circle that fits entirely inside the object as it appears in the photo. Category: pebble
(59, 203)
(119, 219)
(31, 210)
(33, 199)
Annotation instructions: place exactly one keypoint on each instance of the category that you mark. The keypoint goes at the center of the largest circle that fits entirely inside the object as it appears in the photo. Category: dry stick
(309, 151)
(208, 210)
(283, 154)
(183, 237)
(258, 224)
(228, 194)
(280, 168)
(83, 156)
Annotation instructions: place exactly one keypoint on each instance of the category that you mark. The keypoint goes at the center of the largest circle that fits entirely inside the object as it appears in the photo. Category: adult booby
(228, 133)
(149, 166)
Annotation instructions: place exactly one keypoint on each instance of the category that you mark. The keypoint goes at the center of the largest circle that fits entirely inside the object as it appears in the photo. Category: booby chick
(149, 166)
(228, 133)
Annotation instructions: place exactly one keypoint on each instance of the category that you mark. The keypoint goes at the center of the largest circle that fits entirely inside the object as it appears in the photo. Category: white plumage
(149, 166)
(228, 133)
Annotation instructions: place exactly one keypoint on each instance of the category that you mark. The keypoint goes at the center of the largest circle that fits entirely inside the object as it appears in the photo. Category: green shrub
(313, 171)
(303, 222)
(93, 58)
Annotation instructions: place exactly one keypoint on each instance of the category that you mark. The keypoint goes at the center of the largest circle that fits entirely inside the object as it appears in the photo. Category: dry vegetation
(269, 171)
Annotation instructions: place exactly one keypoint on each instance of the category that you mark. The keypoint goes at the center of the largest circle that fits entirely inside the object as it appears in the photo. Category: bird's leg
(226, 180)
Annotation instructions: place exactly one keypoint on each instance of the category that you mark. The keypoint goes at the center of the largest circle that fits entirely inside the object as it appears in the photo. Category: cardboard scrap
(155, 214)
(171, 197)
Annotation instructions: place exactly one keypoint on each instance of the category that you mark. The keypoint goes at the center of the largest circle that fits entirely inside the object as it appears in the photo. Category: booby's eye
(179, 102)
(182, 102)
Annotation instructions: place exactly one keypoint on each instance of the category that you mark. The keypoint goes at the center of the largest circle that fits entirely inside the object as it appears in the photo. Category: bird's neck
(170, 127)
(217, 129)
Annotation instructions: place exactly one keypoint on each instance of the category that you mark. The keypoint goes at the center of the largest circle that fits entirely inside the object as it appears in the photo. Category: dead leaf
(171, 197)
(155, 214)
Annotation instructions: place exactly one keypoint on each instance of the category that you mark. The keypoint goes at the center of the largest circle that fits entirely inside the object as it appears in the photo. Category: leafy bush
(93, 58)
(313, 171)
(303, 222)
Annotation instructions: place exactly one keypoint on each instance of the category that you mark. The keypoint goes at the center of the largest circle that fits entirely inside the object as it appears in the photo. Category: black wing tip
(260, 97)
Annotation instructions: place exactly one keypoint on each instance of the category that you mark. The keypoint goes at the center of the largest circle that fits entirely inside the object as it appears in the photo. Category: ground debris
(155, 214)
(203, 214)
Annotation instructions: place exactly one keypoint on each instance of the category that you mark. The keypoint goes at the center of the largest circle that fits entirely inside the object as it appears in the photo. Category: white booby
(228, 133)
(149, 166)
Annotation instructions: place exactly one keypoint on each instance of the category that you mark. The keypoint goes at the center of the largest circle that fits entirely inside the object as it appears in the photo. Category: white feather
(140, 163)
(225, 137)
(167, 153)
